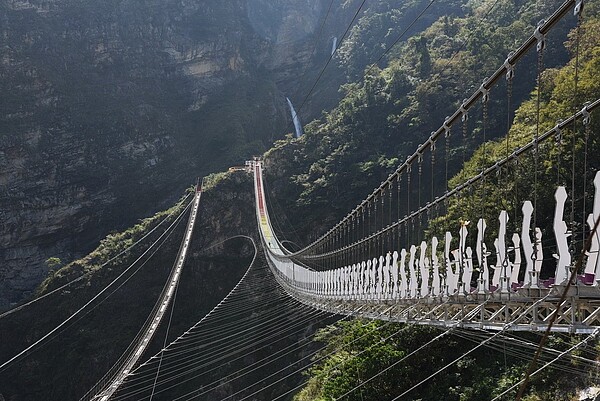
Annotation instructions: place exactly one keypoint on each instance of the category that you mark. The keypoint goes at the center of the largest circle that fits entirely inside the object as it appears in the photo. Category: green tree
(53, 263)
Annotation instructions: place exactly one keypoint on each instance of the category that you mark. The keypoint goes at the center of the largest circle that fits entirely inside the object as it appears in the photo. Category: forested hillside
(379, 122)
(392, 108)
(112, 107)
(354, 352)
(392, 96)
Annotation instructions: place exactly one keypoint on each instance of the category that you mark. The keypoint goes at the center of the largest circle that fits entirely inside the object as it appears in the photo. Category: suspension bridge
(389, 260)
(418, 286)
(370, 265)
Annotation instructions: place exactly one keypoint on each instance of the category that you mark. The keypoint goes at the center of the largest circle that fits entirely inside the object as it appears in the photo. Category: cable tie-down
(539, 36)
(464, 111)
(497, 168)
(558, 132)
(485, 92)
(509, 67)
(446, 127)
(432, 142)
(586, 113)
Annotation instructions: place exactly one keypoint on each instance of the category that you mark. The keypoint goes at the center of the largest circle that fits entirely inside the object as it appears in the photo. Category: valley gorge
(111, 108)
(112, 111)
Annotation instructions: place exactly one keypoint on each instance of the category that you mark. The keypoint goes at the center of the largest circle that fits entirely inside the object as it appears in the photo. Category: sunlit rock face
(110, 108)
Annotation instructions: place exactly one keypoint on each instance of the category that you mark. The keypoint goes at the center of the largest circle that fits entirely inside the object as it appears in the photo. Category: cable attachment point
(485, 93)
(464, 111)
(509, 67)
(419, 157)
(558, 132)
(446, 127)
(586, 113)
(539, 36)
(578, 8)
(432, 143)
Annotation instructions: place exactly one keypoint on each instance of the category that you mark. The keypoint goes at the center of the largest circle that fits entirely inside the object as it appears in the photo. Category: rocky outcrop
(109, 108)
(219, 254)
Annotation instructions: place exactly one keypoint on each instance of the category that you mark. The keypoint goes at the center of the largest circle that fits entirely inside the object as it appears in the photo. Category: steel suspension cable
(554, 315)
(221, 358)
(81, 309)
(484, 173)
(518, 54)
(328, 354)
(174, 353)
(317, 39)
(166, 338)
(249, 343)
(571, 349)
(306, 341)
(517, 346)
(296, 371)
(311, 364)
(127, 249)
(135, 342)
(331, 56)
(210, 314)
(174, 350)
(504, 328)
(436, 338)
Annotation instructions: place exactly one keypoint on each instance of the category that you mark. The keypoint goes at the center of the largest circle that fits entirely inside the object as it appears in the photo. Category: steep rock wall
(111, 107)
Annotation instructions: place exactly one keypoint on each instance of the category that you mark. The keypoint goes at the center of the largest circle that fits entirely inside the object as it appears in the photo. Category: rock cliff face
(110, 107)
(70, 365)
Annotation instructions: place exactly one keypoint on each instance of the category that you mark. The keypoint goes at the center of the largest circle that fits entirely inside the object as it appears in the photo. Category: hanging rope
(587, 128)
(484, 100)
(113, 258)
(541, 43)
(56, 330)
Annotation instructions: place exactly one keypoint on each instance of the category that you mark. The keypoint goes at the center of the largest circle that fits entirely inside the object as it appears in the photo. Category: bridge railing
(371, 258)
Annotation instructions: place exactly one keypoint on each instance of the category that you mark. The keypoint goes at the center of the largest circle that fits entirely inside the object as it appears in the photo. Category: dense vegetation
(356, 352)
(386, 114)
(379, 121)
(70, 362)
(345, 153)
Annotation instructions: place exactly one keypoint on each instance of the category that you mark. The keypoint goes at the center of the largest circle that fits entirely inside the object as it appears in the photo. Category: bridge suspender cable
(554, 315)
(35, 300)
(219, 352)
(445, 333)
(82, 309)
(462, 187)
(169, 291)
(542, 343)
(467, 104)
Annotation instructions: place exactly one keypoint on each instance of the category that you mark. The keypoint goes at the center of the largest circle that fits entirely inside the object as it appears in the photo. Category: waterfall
(296, 119)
